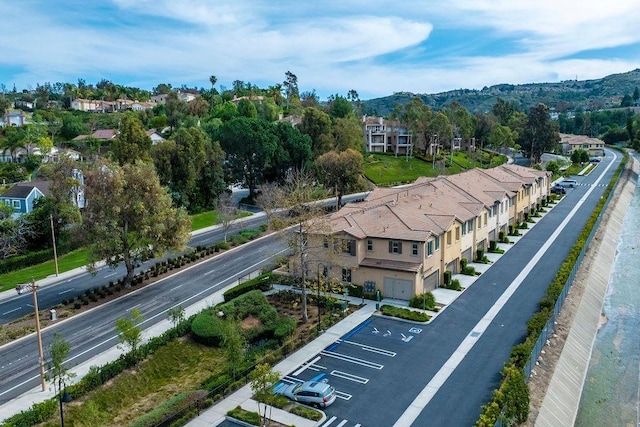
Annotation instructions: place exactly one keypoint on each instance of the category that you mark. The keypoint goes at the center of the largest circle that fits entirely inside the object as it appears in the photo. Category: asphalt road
(93, 332)
(379, 374)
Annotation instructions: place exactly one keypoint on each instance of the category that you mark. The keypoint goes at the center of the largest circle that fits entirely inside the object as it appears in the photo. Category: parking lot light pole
(34, 288)
(323, 268)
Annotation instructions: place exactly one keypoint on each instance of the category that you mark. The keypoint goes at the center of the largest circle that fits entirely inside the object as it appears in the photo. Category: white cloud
(371, 46)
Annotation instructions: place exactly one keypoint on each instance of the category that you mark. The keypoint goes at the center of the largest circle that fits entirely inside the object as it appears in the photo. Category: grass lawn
(384, 169)
(180, 366)
(67, 262)
(78, 258)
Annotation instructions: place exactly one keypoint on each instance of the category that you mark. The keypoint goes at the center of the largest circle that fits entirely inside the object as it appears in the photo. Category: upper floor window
(437, 240)
(457, 233)
(414, 249)
(349, 246)
(369, 244)
(395, 247)
(449, 238)
(430, 248)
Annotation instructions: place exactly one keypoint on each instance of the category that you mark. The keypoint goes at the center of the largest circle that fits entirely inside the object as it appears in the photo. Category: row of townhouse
(391, 136)
(400, 241)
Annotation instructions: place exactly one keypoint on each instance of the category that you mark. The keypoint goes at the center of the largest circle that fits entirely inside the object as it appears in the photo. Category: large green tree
(132, 143)
(540, 133)
(340, 171)
(317, 124)
(129, 215)
(250, 145)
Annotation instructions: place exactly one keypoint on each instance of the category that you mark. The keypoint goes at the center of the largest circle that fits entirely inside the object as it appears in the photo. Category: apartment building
(386, 136)
(400, 241)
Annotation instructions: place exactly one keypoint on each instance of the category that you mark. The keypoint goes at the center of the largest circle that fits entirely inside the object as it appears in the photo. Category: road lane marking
(329, 422)
(11, 311)
(109, 275)
(64, 292)
(342, 423)
(305, 366)
(371, 349)
(352, 359)
(350, 377)
(423, 398)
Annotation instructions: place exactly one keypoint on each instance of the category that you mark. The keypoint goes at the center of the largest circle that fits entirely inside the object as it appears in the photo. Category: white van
(568, 183)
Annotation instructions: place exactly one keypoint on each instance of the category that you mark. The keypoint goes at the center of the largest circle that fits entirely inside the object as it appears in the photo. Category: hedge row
(512, 408)
(21, 261)
(262, 283)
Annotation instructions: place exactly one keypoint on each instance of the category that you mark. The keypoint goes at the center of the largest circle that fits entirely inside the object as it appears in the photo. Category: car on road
(557, 189)
(314, 393)
(568, 183)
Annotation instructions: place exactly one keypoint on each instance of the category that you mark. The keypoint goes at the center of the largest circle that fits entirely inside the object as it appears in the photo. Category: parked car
(568, 183)
(313, 393)
(557, 189)
(595, 160)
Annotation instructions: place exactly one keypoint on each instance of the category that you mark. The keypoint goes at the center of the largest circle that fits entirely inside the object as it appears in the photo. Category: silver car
(312, 393)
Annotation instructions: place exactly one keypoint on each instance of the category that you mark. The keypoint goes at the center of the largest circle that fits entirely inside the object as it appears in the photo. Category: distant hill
(566, 95)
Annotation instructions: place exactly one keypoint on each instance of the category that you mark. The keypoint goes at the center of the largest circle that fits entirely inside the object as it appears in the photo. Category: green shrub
(249, 417)
(21, 261)
(222, 246)
(207, 328)
(404, 313)
(480, 255)
(262, 282)
(447, 277)
(423, 300)
(285, 326)
(306, 412)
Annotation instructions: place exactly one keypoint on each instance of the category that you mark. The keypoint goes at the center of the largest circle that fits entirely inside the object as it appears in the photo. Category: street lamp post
(323, 268)
(34, 288)
(63, 397)
(53, 238)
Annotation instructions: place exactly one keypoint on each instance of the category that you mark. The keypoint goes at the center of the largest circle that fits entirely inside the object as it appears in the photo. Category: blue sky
(375, 47)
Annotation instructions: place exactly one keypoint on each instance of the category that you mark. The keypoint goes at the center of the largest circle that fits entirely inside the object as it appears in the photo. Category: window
(349, 246)
(437, 242)
(414, 249)
(395, 247)
(485, 219)
(325, 242)
(480, 221)
(369, 245)
(430, 248)
(457, 233)
(16, 203)
(470, 225)
(449, 238)
(346, 275)
(464, 228)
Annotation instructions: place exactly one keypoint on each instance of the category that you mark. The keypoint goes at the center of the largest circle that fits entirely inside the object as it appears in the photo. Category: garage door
(398, 288)
(453, 266)
(431, 281)
(468, 255)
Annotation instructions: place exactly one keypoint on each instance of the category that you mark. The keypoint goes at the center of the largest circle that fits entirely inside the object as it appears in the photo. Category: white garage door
(398, 288)
(431, 281)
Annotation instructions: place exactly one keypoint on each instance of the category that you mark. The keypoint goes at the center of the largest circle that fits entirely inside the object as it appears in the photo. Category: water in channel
(612, 386)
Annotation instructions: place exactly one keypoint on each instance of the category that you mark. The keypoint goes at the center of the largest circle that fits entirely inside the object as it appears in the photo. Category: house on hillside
(101, 134)
(386, 136)
(571, 143)
(22, 195)
(155, 136)
(401, 241)
(13, 117)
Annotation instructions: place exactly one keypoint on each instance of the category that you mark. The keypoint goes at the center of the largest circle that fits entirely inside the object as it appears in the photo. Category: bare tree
(270, 199)
(227, 212)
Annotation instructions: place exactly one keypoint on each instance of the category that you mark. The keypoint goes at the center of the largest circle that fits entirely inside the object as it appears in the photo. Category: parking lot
(360, 365)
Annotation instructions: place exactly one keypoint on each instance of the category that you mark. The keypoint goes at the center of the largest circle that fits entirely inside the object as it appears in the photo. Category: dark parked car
(556, 189)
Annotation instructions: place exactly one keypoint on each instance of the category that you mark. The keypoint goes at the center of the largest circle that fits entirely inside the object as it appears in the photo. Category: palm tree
(12, 145)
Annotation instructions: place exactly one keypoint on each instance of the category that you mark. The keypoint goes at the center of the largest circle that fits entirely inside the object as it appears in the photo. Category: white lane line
(305, 366)
(11, 311)
(352, 359)
(329, 422)
(109, 275)
(424, 397)
(135, 306)
(64, 292)
(371, 349)
(350, 377)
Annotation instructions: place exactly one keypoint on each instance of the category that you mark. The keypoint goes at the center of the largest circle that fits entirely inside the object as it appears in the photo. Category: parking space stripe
(329, 422)
(305, 366)
(342, 423)
(352, 359)
(372, 349)
(350, 377)
(343, 396)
